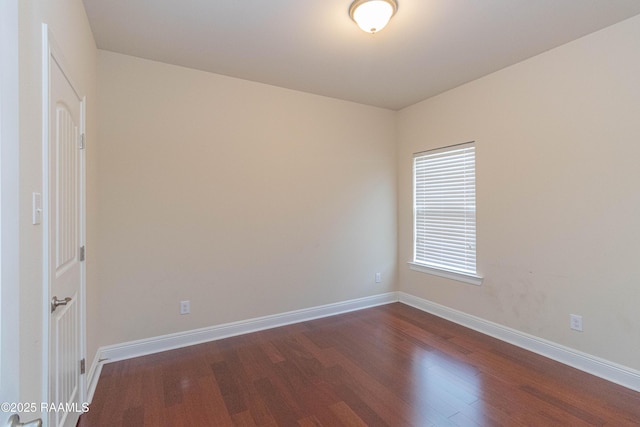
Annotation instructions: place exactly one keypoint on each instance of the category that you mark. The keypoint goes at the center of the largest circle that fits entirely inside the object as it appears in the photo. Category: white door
(65, 254)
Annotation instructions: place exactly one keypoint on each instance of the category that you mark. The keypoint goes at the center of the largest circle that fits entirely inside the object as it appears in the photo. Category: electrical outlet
(378, 277)
(185, 307)
(575, 322)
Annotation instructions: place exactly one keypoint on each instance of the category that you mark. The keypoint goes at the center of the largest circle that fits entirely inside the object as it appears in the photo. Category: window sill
(460, 277)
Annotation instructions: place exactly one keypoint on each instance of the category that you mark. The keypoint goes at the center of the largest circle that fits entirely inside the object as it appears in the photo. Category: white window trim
(453, 275)
(470, 277)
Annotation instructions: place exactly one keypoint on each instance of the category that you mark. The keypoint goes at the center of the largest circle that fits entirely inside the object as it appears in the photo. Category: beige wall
(244, 198)
(251, 200)
(68, 23)
(558, 192)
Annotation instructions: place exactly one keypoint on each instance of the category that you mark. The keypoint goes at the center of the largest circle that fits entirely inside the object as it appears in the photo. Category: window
(444, 211)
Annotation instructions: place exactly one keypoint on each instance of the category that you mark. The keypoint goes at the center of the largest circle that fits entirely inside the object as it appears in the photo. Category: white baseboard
(92, 376)
(128, 350)
(625, 376)
(610, 371)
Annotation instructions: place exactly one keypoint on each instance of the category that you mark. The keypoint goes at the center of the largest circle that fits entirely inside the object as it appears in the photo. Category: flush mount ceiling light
(372, 15)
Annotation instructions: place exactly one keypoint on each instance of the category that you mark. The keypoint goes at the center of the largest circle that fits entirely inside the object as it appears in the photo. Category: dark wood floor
(386, 366)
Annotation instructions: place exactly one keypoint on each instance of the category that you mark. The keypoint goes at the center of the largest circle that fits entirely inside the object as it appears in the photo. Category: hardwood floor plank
(171, 387)
(582, 414)
(152, 400)
(346, 415)
(271, 352)
(216, 406)
(361, 409)
(133, 417)
(311, 421)
(391, 365)
(386, 405)
(243, 419)
(229, 389)
(283, 413)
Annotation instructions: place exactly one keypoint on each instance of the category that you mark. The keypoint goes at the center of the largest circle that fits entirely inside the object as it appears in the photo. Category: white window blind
(445, 209)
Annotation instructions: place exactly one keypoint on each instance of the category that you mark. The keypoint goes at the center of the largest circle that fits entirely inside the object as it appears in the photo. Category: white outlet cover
(575, 322)
(185, 307)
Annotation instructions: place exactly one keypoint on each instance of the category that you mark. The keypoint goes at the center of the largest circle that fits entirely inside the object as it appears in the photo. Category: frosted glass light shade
(372, 15)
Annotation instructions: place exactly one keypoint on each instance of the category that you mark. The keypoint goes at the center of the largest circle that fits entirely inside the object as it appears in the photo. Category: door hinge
(82, 366)
(82, 141)
(81, 254)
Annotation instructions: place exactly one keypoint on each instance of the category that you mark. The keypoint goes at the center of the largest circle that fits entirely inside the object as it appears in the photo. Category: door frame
(51, 52)
(9, 205)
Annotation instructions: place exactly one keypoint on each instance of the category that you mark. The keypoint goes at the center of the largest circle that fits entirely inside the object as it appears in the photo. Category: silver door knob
(14, 421)
(55, 302)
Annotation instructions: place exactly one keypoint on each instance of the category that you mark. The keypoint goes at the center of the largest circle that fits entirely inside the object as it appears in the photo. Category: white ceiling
(313, 46)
